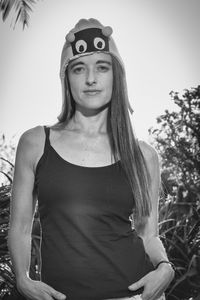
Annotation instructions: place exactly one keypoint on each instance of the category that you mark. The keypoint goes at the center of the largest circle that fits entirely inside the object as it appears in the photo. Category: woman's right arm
(22, 208)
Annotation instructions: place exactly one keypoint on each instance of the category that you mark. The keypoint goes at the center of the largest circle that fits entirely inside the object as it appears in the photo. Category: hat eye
(81, 46)
(99, 43)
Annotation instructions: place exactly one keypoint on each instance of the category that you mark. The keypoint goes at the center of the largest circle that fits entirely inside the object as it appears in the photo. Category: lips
(92, 92)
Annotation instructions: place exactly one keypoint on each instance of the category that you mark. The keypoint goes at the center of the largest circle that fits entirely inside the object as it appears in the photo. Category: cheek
(109, 84)
(75, 87)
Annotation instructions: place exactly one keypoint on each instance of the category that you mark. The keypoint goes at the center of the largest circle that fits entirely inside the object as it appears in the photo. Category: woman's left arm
(155, 282)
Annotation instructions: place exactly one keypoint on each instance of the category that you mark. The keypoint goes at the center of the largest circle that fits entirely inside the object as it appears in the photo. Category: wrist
(166, 262)
(166, 265)
(22, 280)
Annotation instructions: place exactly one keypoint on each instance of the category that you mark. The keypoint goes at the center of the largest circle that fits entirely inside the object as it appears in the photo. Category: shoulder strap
(47, 141)
(46, 148)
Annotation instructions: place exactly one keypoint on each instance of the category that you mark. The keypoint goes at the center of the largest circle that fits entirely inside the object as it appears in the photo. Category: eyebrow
(72, 65)
(104, 62)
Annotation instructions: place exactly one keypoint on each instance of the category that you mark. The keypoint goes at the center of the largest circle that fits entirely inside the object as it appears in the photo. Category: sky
(159, 42)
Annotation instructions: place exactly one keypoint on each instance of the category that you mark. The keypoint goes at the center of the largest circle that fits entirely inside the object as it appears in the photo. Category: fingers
(135, 286)
(53, 293)
(39, 290)
(57, 295)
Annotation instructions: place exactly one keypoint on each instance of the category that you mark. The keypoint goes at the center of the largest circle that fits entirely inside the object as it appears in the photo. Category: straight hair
(123, 142)
(126, 145)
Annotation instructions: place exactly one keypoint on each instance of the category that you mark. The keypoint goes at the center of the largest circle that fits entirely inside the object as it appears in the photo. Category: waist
(136, 297)
(82, 270)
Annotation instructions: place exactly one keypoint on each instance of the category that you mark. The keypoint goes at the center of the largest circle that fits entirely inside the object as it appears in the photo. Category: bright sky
(158, 40)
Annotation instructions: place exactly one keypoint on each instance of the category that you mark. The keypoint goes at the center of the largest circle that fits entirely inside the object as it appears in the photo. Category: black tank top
(89, 250)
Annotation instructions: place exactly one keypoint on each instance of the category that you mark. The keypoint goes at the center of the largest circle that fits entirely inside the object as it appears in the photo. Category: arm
(155, 282)
(22, 208)
(149, 232)
(23, 200)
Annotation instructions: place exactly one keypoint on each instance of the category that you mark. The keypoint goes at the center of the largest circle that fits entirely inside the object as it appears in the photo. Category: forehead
(93, 58)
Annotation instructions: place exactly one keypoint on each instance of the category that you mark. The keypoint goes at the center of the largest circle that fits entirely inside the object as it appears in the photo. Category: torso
(76, 147)
(79, 149)
(96, 254)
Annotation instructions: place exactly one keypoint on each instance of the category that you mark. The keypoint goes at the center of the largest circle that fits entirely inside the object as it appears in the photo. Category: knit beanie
(87, 37)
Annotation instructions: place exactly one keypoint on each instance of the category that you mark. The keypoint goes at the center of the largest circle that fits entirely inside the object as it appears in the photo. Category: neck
(91, 122)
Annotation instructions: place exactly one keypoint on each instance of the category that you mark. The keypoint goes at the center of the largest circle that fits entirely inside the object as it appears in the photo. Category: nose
(91, 77)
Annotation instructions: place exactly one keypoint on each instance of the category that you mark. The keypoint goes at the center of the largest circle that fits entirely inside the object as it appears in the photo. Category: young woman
(96, 185)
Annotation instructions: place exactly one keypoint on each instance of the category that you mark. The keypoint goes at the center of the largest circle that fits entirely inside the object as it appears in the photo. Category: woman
(90, 176)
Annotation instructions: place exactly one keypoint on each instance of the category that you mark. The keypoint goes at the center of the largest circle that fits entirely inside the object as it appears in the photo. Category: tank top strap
(47, 141)
(45, 153)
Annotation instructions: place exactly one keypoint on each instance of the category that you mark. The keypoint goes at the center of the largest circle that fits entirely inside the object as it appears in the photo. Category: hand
(155, 282)
(38, 290)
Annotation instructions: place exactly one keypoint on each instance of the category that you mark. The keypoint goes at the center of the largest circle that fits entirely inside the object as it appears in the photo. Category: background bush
(177, 140)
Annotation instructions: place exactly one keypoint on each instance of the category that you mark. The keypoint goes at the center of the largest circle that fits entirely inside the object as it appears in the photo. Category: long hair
(124, 144)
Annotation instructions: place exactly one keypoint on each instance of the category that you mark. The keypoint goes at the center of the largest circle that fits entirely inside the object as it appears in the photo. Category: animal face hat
(87, 37)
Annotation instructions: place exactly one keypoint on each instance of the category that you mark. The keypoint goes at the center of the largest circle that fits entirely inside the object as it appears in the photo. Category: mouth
(91, 92)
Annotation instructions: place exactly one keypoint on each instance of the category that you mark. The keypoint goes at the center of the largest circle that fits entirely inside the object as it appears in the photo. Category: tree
(177, 140)
(7, 152)
(21, 7)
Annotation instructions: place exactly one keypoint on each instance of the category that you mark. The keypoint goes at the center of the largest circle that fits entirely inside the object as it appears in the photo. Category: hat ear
(70, 37)
(107, 31)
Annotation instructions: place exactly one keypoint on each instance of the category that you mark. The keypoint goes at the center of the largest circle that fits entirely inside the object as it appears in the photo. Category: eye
(78, 70)
(102, 68)
(99, 43)
(81, 46)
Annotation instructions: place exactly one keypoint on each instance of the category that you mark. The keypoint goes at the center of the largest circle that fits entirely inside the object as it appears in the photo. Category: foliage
(181, 237)
(177, 140)
(6, 271)
(7, 277)
(22, 9)
(7, 150)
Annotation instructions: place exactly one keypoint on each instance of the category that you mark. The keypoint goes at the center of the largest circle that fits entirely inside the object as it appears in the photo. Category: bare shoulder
(31, 144)
(150, 154)
(32, 137)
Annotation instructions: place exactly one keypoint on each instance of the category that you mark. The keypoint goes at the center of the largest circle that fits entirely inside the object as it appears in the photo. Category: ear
(70, 37)
(107, 31)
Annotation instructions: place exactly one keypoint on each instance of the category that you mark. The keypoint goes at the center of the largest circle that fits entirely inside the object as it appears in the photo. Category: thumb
(57, 295)
(135, 286)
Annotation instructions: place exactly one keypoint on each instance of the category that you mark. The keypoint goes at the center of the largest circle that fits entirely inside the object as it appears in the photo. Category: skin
(155, 282)
(91, 80)
(83, 141)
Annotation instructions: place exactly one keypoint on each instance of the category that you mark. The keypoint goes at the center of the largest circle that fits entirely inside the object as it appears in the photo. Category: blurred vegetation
(21, 8)
(177, 139)
(7, 152)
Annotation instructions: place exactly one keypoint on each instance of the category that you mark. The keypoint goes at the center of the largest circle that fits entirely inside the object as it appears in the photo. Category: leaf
(172, 228)
(175, 246)
(6, 7)
(7, 161)
(9, 178)
(22, 9)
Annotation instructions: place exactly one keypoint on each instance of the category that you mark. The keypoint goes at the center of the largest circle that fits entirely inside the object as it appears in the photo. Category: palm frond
(8, 177)
(7, 161)
(5, 7)
(22, 9)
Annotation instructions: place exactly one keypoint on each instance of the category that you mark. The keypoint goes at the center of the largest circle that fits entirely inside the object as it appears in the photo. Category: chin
(96, 107)
(99, 106)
